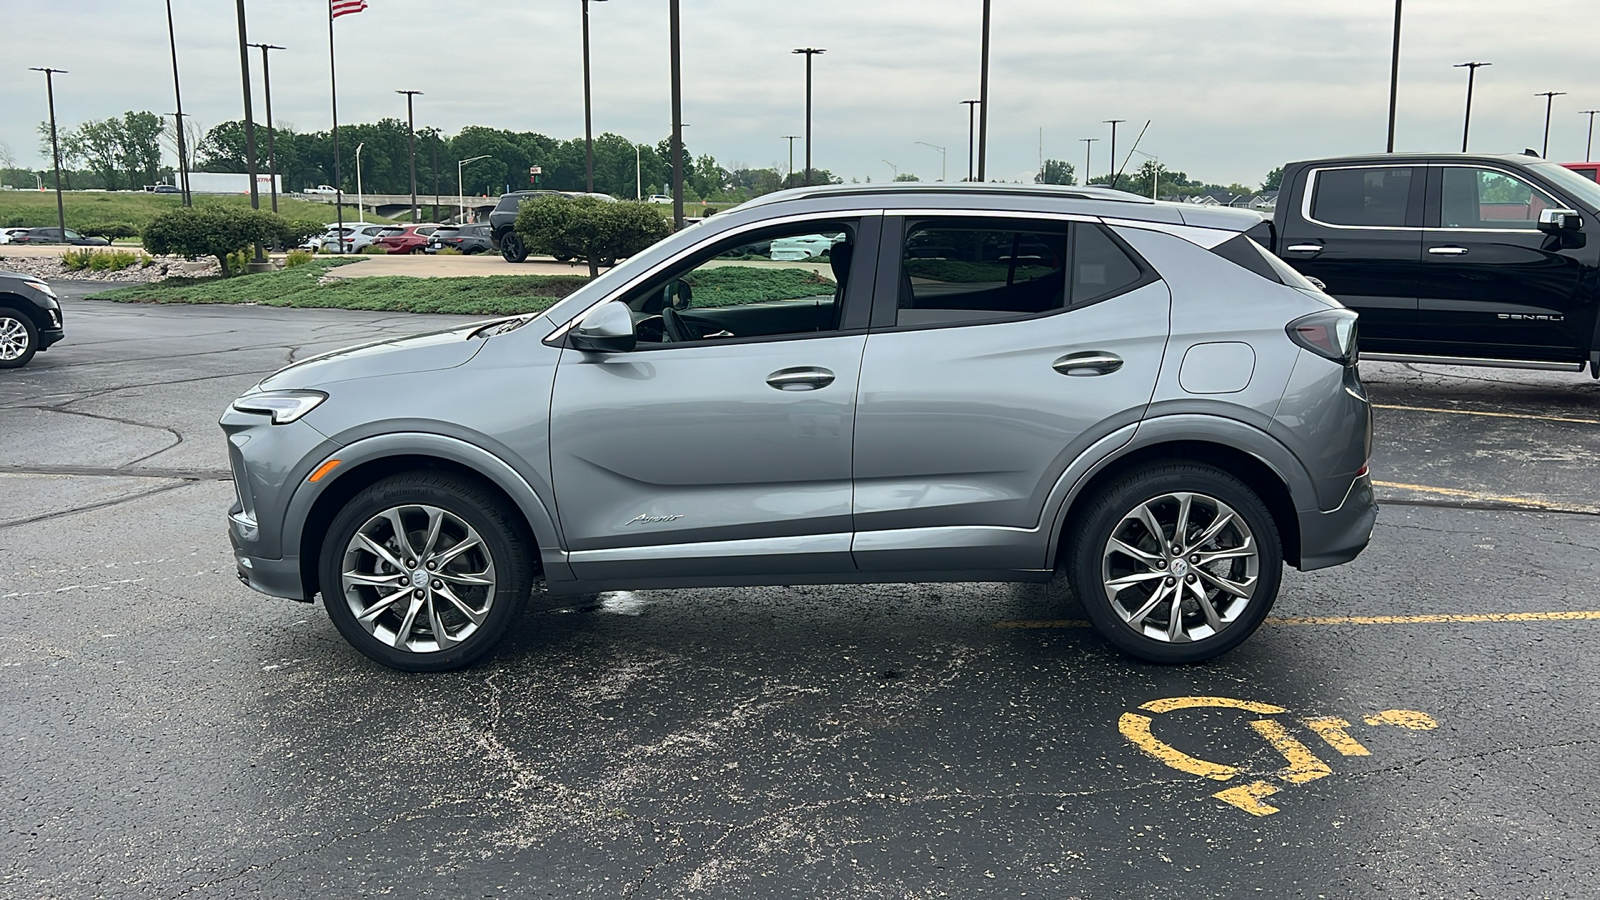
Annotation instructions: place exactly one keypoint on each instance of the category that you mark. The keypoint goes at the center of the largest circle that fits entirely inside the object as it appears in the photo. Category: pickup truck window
(1575, 184)
(1470, 197)
(1362, 197)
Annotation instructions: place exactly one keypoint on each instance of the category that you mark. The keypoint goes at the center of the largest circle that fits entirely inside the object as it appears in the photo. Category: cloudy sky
(1232, 87)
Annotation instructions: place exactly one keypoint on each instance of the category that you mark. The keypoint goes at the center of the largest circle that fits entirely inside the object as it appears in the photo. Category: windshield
(1570, 182)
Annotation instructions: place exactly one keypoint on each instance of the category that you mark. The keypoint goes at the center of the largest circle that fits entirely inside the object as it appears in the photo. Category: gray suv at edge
(968, 383)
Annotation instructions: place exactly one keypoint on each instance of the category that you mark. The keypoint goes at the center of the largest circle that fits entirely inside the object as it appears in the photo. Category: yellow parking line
(1583, 615)
(1482, 497)
(1492, 415)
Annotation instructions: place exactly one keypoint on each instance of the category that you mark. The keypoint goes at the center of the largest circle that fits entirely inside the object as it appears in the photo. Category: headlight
(41, 287)
(283, 406)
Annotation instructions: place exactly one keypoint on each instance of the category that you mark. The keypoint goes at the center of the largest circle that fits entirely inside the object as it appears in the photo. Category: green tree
(98, 145)
(1055, 171)
(597, 231)
(1274, 180)
(140, 155)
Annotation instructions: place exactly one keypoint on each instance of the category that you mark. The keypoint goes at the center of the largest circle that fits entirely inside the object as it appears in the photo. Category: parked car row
(51, 235)
(469, 239)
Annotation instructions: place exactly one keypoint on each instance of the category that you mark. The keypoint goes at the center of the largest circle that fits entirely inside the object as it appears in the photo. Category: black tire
(417, 250)
(19, 338)
(512, 250)
(562, 257)
(506, 549)
(1092, 562)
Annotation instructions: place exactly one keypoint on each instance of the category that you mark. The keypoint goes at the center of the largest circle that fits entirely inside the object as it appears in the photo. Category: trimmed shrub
(222, 232)
(596, 231)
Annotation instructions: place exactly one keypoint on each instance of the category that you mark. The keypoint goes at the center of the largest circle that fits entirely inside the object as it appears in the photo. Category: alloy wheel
(14, 339)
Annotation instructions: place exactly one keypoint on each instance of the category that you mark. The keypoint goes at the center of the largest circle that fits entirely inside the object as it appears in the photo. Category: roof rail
(1064, 192)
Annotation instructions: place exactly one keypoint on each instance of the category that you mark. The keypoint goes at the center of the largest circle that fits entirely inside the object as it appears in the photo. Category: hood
(417, 353)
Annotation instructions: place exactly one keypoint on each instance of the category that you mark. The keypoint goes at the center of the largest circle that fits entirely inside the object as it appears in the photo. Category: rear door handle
(1304, 248)
(1448, 251)
(1086, 364)
(801, 378)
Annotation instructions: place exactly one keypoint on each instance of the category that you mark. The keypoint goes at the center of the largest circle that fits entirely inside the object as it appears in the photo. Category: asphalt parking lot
(1420, 723)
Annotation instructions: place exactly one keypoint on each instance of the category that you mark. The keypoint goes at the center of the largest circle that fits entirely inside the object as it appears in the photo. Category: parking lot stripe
(1492, 415)
(1581, 615)
(1476, 496)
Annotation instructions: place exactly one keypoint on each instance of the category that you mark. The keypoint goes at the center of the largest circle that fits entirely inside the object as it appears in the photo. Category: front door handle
(801, 378)
(1448, 251)
(1304, 248)
(1086, 364)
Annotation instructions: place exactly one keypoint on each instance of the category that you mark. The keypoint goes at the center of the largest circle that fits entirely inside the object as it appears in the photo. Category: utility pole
(808, 52)
(1549, 102)
(411, 130)
(1394, 74)
(588, 121)
(971, 131)
(942, 170)
(1588, 149)
(677, 115)
(1088, 149)
(788, 181)
(260, 263)
(983, 97)
(272, 142)
(435, 142)
(1466, 122)
(177, 91)
(55, 146)
(1114, 123)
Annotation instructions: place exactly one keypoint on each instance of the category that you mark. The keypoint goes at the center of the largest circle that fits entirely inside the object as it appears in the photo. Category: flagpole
(338, 175)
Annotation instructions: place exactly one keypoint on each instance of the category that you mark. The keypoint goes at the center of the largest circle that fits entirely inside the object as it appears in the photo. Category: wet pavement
(1419, 723)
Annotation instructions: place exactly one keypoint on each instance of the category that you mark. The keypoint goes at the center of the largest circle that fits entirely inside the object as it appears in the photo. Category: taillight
(1330, 334)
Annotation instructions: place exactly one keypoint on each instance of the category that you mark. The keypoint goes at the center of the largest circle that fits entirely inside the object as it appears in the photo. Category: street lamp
(971, 130)
(1466, 122)
(461, 193)
(1088, 148)
(983, 96)
(259, 263)
(808, 52)
(272, 149)
(55, 146)
(183, 163)
(941, 156)
(1588, 149)
(788, 178)
(361, 206)
(675, 55)
(1549, 101)
(1155, 173)
(895, 168)
(1114, 170)
(638, 175)
(1394, 74)
(411, 129)
(588, 127)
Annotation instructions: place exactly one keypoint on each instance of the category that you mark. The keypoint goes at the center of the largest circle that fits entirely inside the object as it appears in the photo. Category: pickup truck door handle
(1448, 251)
(1085, 364)
(1304, 248)
(801, 378)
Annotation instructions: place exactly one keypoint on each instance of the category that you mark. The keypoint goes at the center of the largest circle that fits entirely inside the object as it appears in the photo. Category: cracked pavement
(171, 734)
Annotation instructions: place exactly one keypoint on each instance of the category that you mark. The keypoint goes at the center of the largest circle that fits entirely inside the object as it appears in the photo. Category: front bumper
(51, 336)
(1338, 535)
(274, 577)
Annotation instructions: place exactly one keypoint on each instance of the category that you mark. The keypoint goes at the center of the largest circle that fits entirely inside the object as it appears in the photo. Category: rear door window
(1364, 197)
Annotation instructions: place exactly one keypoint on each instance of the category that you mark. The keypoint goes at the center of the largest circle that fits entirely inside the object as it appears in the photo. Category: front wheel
(512, 249)
(19, 339)
(1176, 563)
(425, 572)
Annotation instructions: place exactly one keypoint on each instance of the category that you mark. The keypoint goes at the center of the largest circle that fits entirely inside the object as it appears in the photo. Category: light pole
(588, 126)
(1394, 74)
(183, 153)
(971, 131)
(1088, 149)
(1466, 121)
(1549, 102)
(638, 175)
(361, 204)
(983, 96)
(675, 55)
(411, 130)
(461, 193)
(272, 144)
(1588, 149)
(808, 52)
(55, 146)
(788, 180)
(1114, 123)
(941, 156)
(259, 263)
(1155, 173)
(893, 167)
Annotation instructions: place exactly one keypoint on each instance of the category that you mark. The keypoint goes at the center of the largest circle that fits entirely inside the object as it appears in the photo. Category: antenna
(1130, 151)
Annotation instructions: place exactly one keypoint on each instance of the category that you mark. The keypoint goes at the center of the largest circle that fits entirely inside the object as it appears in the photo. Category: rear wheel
(19, 339)
(512, 249)
(425, 572)
(1176, 563)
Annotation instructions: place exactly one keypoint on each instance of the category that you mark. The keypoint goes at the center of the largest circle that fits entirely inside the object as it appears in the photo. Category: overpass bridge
(398, 206)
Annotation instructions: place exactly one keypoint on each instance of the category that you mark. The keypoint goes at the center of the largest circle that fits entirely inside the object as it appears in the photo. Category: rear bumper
(1338, 535)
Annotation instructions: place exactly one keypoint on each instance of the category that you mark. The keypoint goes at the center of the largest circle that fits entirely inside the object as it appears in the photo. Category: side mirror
(1556, 221)
(608, 329)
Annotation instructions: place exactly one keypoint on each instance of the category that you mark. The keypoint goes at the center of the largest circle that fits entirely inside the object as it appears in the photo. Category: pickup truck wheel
(1176, 562)
(19, 339)
(425, 572)
(512, 249)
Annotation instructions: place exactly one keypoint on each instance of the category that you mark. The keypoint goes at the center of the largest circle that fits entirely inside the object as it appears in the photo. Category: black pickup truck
(1451, 258)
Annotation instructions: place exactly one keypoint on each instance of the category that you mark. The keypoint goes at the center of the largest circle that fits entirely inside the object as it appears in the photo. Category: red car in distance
(1589, 170)
(405, 238)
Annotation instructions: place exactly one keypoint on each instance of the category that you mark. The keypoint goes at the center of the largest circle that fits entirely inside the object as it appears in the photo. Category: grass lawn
(93, 209)
(499, 296)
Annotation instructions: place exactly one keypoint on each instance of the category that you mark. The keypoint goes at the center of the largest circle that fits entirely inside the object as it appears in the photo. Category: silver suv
(971, 383)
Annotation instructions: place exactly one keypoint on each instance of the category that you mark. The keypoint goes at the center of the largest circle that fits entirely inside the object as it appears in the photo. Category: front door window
(1487, 198)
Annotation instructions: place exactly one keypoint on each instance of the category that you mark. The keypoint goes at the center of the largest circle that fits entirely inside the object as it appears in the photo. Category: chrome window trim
(1305, 199)
(993, 214)
(687, 252)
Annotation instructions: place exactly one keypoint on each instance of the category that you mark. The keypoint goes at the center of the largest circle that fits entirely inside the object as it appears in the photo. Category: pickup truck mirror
(1556, 221)
(608, 329)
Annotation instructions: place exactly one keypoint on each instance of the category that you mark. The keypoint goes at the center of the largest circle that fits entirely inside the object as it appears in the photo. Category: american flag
(346, 7)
